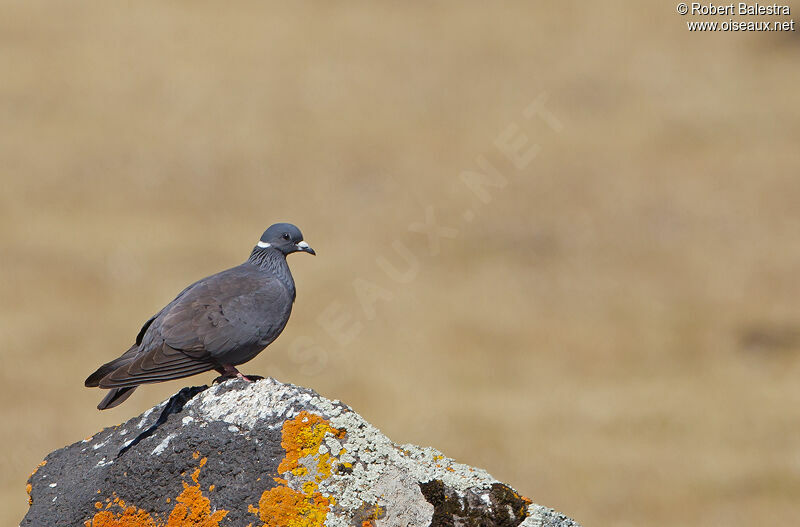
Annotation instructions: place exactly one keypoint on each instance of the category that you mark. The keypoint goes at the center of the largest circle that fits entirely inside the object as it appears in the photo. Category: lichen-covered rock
(264, 454)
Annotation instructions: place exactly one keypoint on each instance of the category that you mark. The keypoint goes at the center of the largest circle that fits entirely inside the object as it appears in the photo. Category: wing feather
(159, 364)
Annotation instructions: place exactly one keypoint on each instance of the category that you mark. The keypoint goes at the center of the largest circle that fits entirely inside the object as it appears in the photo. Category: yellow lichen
(285, 507)
(324, 466)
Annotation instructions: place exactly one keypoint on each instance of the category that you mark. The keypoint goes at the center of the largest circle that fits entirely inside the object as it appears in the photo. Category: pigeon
(216, 323)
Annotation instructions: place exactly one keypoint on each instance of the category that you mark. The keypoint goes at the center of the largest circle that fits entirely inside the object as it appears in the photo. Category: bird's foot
(246, 378)
(249, 378)
(230, 372)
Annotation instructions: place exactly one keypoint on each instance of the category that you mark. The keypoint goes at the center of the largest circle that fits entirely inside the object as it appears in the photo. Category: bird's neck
(274, 261)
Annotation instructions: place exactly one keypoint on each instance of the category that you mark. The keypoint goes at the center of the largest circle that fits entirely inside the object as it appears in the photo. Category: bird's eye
(285, 236)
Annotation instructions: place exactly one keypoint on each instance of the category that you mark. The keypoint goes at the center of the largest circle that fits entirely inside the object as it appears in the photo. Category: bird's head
(285, 238)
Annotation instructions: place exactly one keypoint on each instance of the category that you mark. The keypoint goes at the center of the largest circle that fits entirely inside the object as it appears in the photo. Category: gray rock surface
(265, 454)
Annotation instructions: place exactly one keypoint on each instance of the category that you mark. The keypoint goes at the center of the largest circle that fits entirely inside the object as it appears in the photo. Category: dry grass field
(613, 326)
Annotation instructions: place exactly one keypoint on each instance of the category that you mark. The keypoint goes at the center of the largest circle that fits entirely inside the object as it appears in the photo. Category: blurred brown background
(616, 333)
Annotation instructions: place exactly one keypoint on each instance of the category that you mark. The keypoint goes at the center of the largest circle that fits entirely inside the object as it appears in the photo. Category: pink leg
(229, 371)
(243, 377)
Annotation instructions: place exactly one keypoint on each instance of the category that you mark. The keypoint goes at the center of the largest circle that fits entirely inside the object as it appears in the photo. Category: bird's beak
(303, 246)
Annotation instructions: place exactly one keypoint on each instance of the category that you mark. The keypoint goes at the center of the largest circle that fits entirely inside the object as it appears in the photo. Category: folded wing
(206, 326)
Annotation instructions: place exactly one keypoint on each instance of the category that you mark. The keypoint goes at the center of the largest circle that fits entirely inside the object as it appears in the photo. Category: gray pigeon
(216, 323)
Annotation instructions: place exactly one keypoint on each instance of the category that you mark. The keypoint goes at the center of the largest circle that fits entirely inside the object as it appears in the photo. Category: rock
(264, 454)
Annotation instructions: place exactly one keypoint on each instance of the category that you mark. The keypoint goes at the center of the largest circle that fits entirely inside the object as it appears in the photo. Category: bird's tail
(93, 380)
(115, 397)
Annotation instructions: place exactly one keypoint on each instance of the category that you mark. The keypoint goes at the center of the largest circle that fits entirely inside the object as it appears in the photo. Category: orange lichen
(40, 465)
(194, 510)
(526, 501)
(523, 510)
(285, 507)
(191, 509)
(130, 517)
(519, 496)
(280, 506)
(302, 436)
